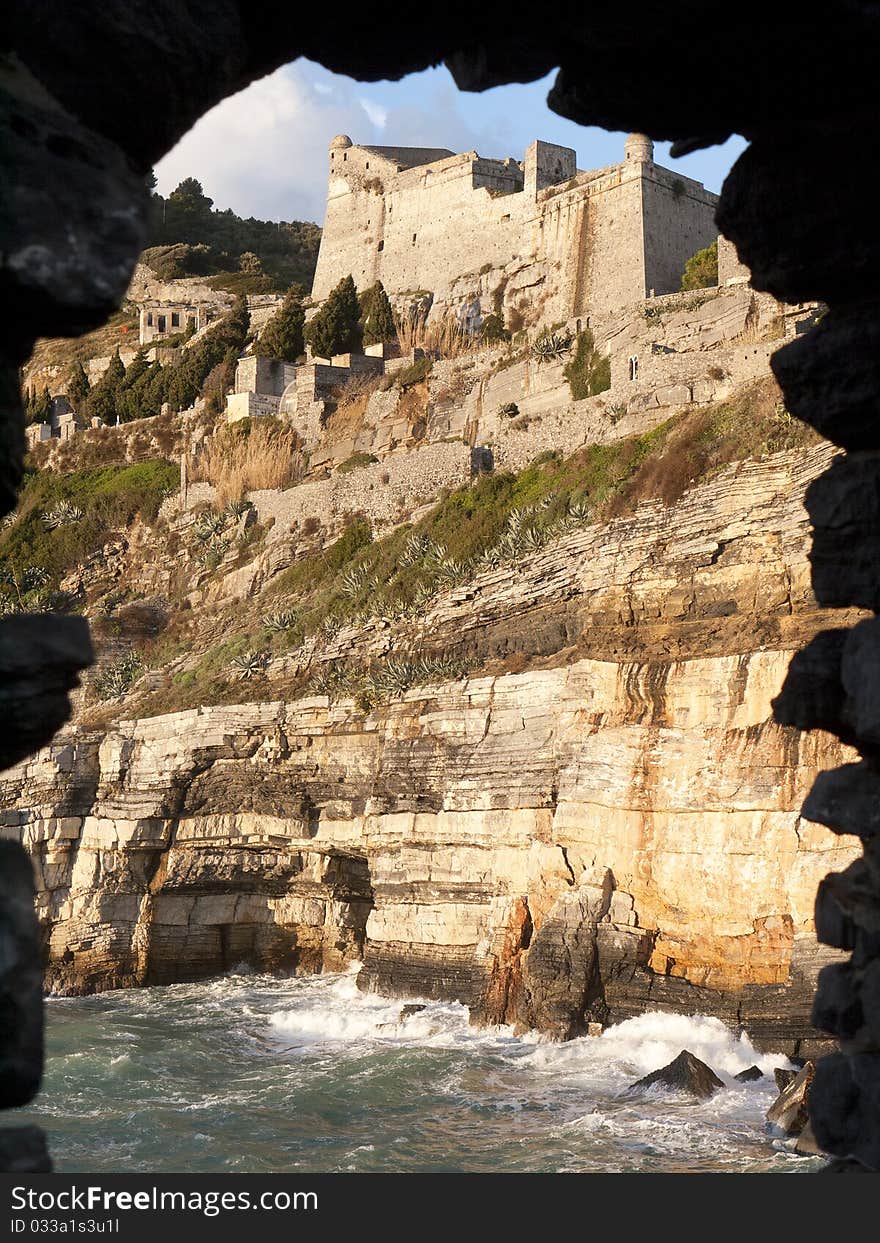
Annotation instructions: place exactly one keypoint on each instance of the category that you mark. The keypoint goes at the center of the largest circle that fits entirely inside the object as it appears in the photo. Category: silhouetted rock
(749, 1075)
(685, 1074)
(23, 1151)
(806, 1145)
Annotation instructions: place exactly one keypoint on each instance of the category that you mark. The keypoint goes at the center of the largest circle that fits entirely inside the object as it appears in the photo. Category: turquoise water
(256, 1074)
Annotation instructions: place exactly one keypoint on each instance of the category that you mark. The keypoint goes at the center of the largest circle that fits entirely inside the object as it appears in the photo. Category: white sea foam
(352, 1082)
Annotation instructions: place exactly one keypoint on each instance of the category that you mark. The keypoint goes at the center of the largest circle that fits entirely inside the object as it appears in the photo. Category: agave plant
(533, 538)
(450, 572)
(435, 553)
(285, 619)
(579, 511)
(117, 676)
(415, 549)
(249, 665)
(61, 515)
(353, 581)
(551, 345)
(209, 525)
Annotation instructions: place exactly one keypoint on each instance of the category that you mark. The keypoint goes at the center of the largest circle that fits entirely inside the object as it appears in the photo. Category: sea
(266, 1074)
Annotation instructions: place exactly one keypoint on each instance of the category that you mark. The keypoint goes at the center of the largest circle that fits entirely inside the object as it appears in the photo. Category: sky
(263, 152)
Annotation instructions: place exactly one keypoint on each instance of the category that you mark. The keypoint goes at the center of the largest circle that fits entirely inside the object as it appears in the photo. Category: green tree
(188, 212)
(335, 329)
(377, 316)
(701, 270)
(103, 398)
(185, 380)
(78, 385)
(283, 335)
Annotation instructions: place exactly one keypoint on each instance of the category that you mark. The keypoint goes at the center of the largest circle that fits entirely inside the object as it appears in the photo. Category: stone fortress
(482, 234)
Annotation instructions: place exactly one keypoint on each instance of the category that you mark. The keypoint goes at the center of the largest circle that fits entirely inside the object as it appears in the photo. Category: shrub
(355, 462)
(414, 373)
(108, 498)
(589, 372)
(493, 328)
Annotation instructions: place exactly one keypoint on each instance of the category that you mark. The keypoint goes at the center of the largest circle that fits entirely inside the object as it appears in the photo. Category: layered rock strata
(613, 829)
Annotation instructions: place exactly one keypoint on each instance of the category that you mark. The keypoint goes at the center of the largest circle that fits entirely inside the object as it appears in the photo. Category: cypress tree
(104, 396)
(78, 385)
(336, 329)
(377, 316)
(43, 406)
(283, 335)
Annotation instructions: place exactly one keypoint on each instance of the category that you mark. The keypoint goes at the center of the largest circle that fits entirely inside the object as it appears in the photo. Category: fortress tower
(477, 232)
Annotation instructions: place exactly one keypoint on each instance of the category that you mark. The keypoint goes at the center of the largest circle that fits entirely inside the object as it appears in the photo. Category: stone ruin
(76, 113)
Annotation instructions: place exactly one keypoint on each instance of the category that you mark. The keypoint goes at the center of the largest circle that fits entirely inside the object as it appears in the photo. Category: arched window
(633, 367)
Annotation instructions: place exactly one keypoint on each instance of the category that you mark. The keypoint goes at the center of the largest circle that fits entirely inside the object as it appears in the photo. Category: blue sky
(263, 152)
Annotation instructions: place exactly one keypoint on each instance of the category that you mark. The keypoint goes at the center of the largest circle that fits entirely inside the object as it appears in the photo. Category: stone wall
(469, 229)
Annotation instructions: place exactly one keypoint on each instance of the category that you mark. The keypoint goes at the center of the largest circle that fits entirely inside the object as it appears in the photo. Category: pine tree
(701, 270)
(335, 329)
(283, 335)
(78, 385)
(377, 316)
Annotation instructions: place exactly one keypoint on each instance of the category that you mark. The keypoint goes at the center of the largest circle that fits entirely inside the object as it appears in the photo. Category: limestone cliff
(615, 827)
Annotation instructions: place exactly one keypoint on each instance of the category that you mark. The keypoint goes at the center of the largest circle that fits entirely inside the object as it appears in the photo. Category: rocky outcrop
(613, 829)
(686, 1074)
(555, 848)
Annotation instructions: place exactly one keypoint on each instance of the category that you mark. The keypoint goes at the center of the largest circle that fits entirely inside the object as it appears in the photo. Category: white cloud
(376, 113)
(263, 152)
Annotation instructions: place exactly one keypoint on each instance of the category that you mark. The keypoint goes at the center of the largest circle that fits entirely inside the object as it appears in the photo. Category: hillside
(467, 679)
(190, 237)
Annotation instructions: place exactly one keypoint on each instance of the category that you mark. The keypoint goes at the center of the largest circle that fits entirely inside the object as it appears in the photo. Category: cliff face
(613, 828)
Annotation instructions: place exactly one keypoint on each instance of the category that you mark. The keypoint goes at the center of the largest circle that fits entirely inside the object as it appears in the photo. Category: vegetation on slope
(188, 236)
(61, 520)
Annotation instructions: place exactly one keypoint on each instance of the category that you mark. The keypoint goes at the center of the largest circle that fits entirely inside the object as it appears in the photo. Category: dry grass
(443, 338)
(237, 461)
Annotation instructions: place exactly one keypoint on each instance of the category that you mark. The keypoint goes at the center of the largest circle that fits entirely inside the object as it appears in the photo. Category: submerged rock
(685, 1074)
(412, 1008)
(749, 1075)
(788, 1113)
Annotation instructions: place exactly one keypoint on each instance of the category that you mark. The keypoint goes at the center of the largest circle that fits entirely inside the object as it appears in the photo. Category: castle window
(149, 319)
(633, 367)
(368, 163)
(161, 323)
(345, 155)
(414, 239)
(175, 319)
(381, 246)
